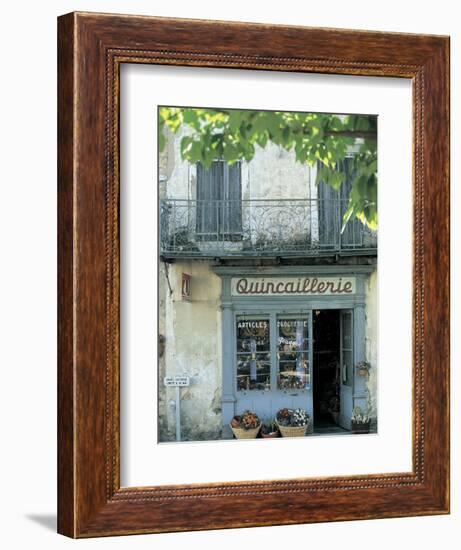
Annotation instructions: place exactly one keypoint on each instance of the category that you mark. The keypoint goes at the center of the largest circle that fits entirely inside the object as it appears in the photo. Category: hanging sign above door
(285, 286)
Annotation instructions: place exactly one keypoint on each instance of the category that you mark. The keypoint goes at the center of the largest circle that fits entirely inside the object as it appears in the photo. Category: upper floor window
(219, 201)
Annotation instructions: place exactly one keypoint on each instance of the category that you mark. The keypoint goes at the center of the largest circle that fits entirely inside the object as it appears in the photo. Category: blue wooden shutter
(352, 234)
(332, 206)
(219, 209)
(209, 185)
(328, 216)
(231, 224)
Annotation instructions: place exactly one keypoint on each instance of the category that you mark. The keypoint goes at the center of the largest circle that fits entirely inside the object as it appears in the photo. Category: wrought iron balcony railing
(260, 227)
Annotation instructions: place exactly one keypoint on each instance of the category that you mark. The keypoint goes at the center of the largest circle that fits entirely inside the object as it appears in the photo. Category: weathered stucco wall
(371, 337)
(273, 173)
(193, 348)
(175, 174)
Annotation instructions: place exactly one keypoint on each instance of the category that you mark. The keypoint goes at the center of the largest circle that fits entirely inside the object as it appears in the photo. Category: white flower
(359, 417)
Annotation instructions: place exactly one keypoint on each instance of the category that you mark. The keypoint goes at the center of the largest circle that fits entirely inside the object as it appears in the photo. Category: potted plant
(363, 368)
(246, 425)
(269, 430)
(292, 422)
(360, 422)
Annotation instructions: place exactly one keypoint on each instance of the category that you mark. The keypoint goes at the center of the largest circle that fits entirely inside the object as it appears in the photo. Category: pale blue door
(347, 371)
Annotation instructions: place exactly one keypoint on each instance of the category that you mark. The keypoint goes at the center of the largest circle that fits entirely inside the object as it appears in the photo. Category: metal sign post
(177, 382)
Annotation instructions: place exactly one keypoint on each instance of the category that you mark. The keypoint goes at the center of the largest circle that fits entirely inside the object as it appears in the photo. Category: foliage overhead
(315, 138)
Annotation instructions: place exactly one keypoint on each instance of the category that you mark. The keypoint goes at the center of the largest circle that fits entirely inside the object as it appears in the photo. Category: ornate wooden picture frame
(92, 48)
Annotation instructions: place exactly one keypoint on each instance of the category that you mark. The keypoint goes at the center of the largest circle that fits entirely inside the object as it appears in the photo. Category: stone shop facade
(263, 303)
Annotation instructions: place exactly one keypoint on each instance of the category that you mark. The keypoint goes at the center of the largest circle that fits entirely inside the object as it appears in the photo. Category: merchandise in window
(293, 353)
(253, 354)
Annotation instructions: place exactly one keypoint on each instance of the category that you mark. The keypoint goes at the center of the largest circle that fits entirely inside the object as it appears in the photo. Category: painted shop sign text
(285, 286)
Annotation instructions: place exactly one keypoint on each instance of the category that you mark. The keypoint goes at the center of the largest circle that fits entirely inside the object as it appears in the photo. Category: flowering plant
(359, 417)
(299, 418)
(248, 420)
(284, 416)
(292, 417)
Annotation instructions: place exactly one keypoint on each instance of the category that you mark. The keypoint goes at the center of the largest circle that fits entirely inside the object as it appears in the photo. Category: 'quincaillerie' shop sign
(284, 286)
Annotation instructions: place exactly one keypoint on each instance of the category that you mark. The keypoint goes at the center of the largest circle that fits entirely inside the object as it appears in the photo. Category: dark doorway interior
(326, 327)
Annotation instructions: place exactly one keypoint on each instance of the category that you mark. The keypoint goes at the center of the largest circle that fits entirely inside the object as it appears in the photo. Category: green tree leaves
(315, 138)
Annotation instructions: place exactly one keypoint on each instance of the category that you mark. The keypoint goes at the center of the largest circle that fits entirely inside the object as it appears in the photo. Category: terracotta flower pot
(270, 435)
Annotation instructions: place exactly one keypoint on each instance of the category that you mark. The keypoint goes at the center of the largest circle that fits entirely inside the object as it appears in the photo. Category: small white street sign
(176, 381)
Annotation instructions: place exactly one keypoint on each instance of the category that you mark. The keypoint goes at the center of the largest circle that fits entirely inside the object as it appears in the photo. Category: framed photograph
(253, 275)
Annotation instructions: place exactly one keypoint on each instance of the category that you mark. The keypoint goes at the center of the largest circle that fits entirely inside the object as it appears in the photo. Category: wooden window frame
(92, 48)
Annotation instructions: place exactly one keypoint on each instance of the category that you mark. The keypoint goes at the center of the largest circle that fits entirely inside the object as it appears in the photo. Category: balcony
(260, 228)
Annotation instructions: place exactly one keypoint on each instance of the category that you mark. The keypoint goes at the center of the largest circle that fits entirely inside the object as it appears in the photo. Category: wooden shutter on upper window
(332, 206)
(232, 205)
(219, 195)
(209, 189)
